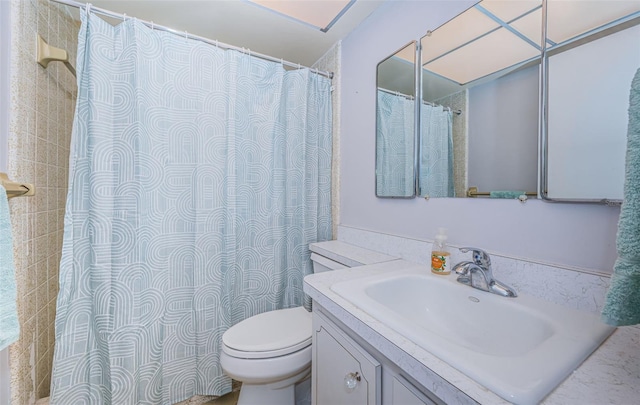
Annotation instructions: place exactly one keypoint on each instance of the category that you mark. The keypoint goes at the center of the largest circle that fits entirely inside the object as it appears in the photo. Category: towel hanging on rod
(47, 53)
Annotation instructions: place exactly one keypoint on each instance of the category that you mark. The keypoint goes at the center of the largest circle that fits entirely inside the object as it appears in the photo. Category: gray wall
(562, 234)
(503, 132)
(588, 116)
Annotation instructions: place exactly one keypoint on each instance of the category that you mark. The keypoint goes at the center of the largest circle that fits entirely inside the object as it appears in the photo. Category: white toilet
(271, 352)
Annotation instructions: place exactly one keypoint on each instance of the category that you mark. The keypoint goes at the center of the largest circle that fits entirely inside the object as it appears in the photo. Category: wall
(330, 62)
(41, 113)
(572, 235)
(5, 37)
(503, 132)
(590, 124)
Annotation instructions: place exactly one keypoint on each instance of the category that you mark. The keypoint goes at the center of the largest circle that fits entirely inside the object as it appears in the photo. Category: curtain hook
(124, 17)
(186, 35)
(88, 8)
(152, 25)
(216, 43)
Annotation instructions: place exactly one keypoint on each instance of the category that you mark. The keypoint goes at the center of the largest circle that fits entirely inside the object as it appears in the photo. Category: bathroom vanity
(358, 359)
(344, 372)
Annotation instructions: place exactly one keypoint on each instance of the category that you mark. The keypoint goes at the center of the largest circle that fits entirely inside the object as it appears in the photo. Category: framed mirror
(395, 124)
(479, 109)
(592, 53)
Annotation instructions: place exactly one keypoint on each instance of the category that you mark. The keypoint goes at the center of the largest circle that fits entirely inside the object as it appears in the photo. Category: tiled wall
(330, 62)
(41, 111)
(458, 102)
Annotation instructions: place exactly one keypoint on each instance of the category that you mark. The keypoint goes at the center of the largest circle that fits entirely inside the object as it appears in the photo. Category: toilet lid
(270, 334)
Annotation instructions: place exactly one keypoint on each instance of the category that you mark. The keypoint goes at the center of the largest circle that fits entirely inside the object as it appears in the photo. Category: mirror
(592, 55)
(395, 124)
(480, 102)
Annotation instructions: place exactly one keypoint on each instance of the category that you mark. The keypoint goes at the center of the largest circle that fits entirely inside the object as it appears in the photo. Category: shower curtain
(198, 177)
(394, 145)
(436, 152)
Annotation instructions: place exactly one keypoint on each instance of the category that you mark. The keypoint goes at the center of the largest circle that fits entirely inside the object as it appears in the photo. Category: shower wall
(458, 101)
(330, 62)
(41, 113)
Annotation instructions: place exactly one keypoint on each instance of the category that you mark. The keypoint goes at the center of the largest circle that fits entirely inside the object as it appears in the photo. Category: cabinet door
(402, 393)
(343, 373)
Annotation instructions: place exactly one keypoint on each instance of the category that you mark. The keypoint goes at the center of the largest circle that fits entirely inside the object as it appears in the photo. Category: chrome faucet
(478, 273)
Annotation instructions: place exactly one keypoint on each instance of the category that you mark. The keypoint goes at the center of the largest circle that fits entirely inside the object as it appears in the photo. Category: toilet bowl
(271, 352)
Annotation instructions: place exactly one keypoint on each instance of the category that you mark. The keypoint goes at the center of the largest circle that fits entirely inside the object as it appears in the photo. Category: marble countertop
(611, 375)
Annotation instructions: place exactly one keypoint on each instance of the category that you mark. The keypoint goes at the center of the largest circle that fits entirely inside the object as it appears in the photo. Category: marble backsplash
(573, 288)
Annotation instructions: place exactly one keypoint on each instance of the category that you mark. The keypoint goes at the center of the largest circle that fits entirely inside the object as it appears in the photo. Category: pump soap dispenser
(440, 253)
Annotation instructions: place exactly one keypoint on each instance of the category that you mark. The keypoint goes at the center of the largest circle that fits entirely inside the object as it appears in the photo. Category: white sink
(520, 348)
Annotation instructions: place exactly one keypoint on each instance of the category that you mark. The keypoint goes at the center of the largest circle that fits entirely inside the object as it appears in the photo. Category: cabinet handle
(351, 381)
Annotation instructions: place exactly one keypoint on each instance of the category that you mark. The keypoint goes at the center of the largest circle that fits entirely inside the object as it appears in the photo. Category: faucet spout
(478, 274)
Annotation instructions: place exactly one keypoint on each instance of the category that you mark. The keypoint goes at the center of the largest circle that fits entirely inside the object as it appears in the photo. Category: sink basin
(520, 348)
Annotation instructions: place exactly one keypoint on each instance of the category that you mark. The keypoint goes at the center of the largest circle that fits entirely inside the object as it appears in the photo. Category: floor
(228, 399)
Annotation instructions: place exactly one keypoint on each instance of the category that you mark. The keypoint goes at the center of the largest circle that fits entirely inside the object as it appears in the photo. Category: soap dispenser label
(440, 262)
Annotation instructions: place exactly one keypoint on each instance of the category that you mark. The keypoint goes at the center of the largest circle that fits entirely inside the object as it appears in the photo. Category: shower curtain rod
(397, 93)
(158, 27)
(456, 112)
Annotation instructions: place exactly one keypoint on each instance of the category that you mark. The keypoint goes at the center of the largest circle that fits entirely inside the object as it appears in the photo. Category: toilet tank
(334, 254)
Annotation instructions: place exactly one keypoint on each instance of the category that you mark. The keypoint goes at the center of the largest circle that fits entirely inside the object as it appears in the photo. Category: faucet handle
(480, 257)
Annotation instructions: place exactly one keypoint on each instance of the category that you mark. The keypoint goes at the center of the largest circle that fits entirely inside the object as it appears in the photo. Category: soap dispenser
(440, 254)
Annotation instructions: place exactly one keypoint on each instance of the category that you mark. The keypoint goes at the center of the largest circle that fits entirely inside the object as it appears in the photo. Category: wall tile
(42, 107)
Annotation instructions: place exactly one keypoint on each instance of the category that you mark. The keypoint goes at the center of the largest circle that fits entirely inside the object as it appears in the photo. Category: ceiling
(249, 25)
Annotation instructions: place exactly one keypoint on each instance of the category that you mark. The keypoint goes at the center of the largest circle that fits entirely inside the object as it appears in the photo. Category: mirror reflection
(395, 124)
(480, 106)
(592, 56)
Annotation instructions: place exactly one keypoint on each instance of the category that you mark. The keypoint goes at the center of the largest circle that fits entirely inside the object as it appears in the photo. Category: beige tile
(52, 156)
(43, 24)
(41, 113)
(30, 304)
(41, 251)
(41, 217)
(42, 335)
(52, 174)
(42, 297)
(42, 91)
(53, 99)
(41, 158)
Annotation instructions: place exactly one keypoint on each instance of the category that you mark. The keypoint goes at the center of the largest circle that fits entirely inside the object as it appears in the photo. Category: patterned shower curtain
(436, 152)
(394, 145)
(198, 177)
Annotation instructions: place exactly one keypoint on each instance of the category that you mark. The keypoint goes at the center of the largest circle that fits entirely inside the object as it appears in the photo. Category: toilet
(271, 352)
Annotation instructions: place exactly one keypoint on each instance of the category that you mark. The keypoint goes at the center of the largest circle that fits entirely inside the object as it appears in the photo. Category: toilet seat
(270, 334)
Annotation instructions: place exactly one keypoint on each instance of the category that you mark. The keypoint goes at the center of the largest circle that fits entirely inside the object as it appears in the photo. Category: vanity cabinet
(345, 373)
(398, 391)
(342, 372)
